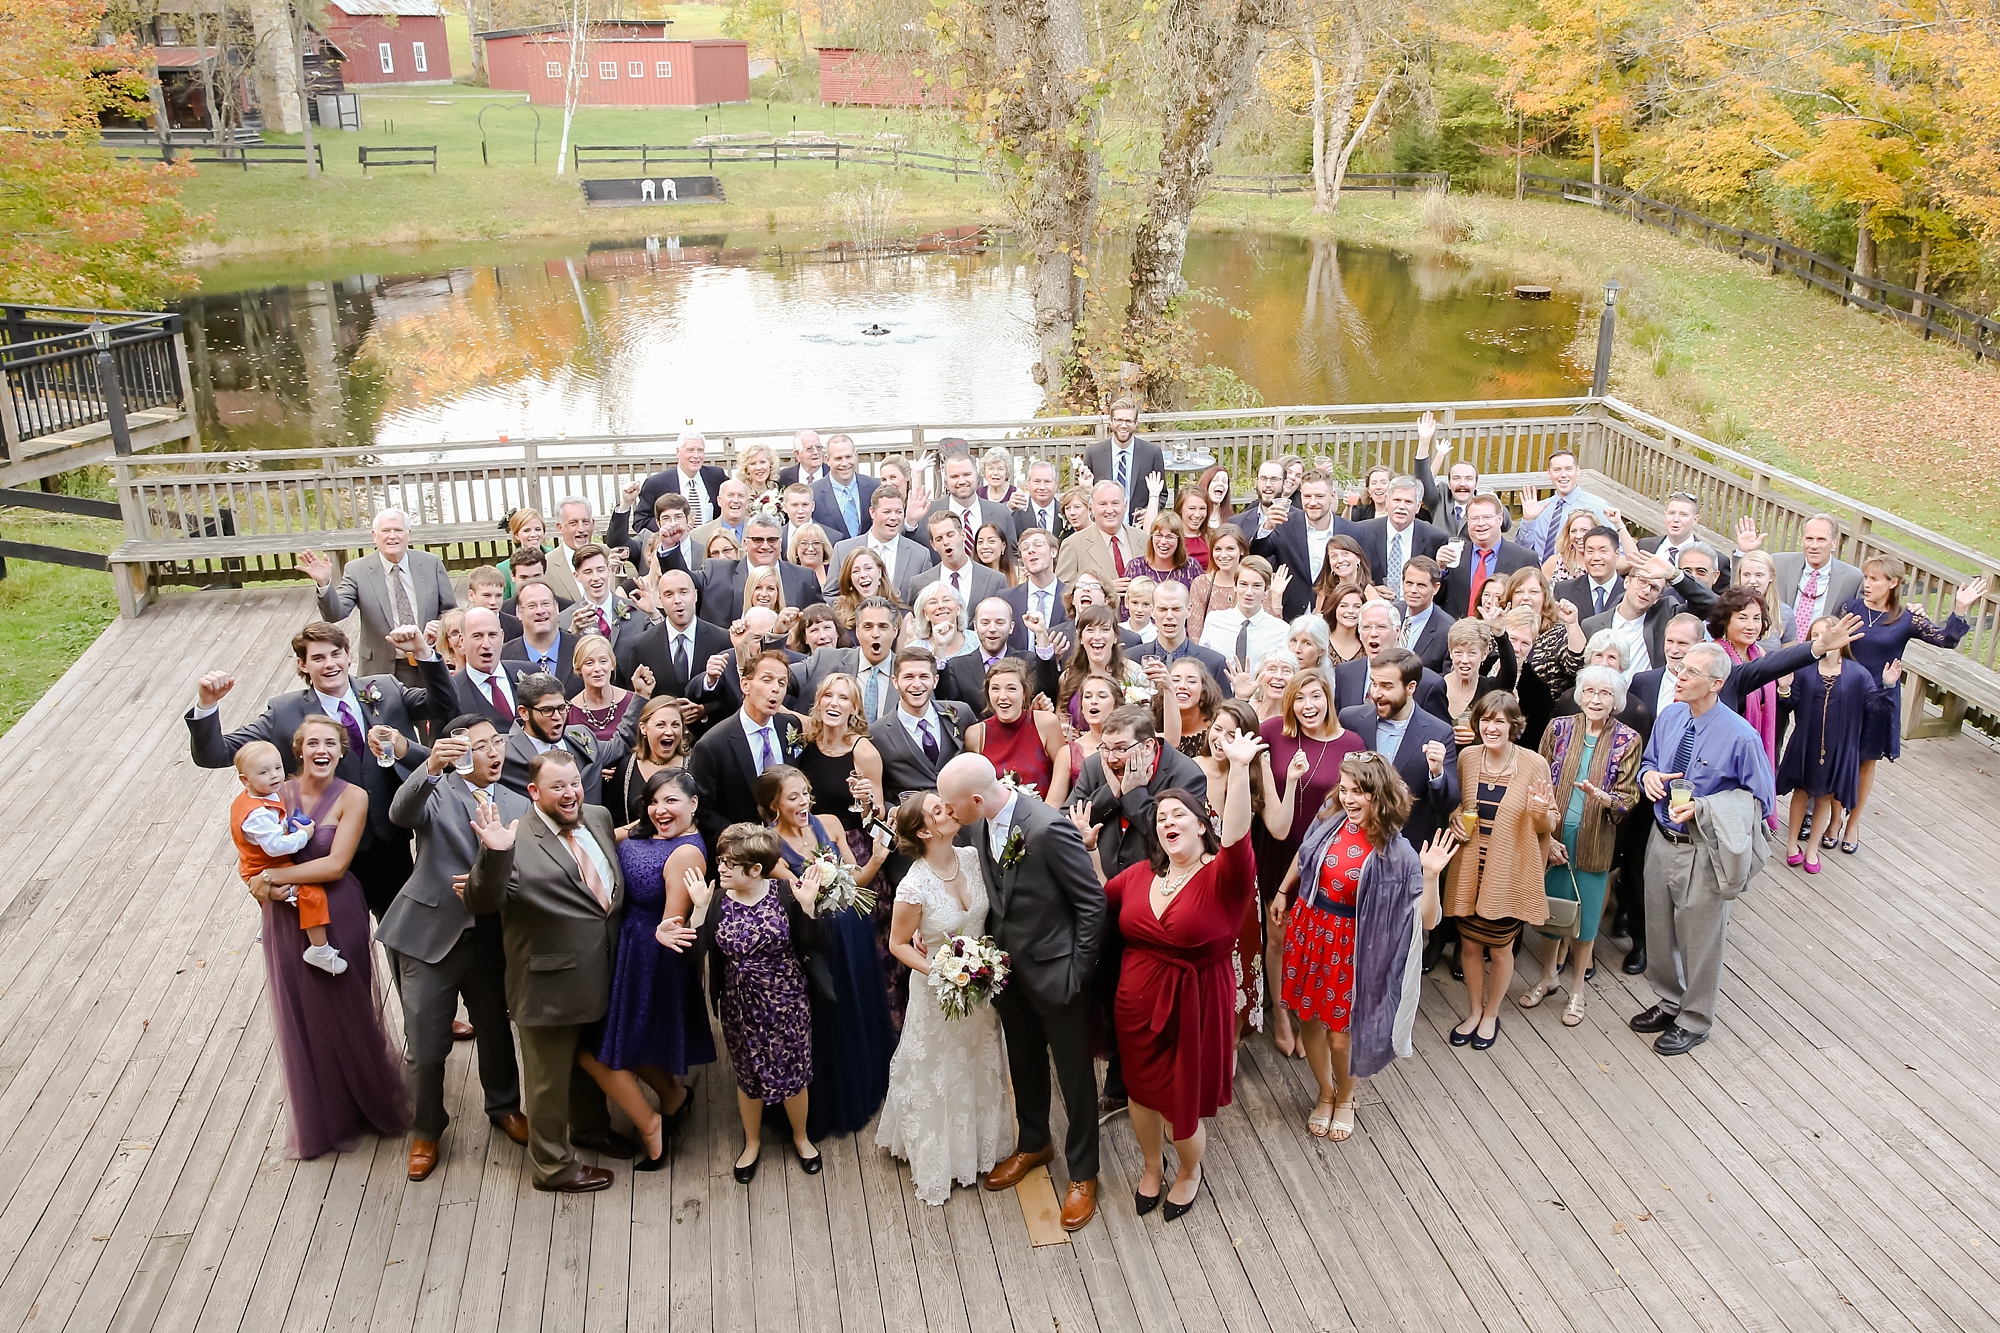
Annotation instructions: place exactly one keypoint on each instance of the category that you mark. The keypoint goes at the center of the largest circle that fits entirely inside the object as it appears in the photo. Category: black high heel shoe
(1144, 1203)
(657, 1163)
(1174, 1210)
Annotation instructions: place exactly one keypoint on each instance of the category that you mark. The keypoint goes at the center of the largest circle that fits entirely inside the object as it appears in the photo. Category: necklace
(597, 719)
(1485, 757)
(1873, 616)
(1169, 885)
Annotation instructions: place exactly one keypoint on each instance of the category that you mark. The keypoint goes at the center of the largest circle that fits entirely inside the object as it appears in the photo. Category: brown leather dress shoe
(1007, 1172)
(515, 1126)
(423, 1158)
(461, 1031)
(586, 1180)
(1079, 1205)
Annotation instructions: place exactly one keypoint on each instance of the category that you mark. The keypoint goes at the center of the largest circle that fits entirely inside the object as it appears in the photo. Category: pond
(400, 348)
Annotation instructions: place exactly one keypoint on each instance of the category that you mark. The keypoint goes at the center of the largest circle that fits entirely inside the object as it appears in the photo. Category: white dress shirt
(1397, 549)
(483, 682)
(696, 494)
(1000, 825)
(1668, 683)
(1267, 634)
(886, 553)
(1316, 540)
(1630, 636)
(757, 732)
(910, 721)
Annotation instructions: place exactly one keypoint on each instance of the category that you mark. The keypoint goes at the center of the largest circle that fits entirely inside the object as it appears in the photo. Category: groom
(1048, 912)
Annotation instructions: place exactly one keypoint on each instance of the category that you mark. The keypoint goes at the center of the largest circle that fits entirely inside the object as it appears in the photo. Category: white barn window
(607, 69)
(417, 52)
(387, 57)
(663, 69)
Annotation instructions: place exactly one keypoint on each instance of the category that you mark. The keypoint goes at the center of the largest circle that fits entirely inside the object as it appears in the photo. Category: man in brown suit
(557, 887)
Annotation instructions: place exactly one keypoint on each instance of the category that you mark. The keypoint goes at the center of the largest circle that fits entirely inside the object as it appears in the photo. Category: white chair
(645, 189)
(667, 189)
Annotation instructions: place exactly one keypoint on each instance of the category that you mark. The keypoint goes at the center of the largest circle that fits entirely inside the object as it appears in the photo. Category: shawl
(1760, 706)
(1388, 945)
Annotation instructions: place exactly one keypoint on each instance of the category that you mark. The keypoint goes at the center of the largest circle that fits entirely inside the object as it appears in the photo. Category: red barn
(875, 78)
(625, 64)
(389, 41)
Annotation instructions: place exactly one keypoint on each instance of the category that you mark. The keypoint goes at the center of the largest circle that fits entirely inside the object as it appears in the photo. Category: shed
(630, 63)
(848, 77)
(389, 41)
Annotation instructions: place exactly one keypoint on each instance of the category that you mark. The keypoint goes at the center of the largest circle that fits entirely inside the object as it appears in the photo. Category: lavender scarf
(1388, 944)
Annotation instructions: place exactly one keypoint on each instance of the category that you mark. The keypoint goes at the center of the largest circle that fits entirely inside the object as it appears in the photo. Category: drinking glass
(385, 755)
(463, 764)
(1679, 793)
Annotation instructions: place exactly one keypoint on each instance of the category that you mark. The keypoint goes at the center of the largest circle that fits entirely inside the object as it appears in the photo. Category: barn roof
(410, 9)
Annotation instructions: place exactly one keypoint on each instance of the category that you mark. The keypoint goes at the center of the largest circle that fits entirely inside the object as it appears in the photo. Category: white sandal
(1534, 995)
(1341, 1128)
(1573, 1011)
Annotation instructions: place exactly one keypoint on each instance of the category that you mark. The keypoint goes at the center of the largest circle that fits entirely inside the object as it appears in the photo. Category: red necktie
(499, 699)
(603, 625)
(1479, 561)
(1117, 559)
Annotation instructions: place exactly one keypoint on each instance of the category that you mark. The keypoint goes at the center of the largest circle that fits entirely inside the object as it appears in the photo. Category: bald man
(484, 686)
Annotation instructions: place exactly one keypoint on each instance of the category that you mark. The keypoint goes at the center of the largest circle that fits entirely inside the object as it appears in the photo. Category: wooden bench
(1961, 682)
(409, 155)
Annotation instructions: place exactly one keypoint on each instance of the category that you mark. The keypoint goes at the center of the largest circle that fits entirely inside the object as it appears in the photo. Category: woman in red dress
(1353, 933)
(1021, 740)
(1175, 1014)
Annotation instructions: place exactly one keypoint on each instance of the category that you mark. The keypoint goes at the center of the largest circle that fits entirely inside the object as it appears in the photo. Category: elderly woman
(1311, 636)
(996, 476)
(1595, 760)
(817, 627)
(1179, 916)
(343, 1079)
(940, 612)
(1352, 907)
(1495, 886)
(1265, 689)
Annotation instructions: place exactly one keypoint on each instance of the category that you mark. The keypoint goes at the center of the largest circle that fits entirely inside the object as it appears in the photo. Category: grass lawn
(49, 613)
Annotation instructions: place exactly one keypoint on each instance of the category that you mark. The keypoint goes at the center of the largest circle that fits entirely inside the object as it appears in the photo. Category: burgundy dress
(602, 723)
(1175, 1014)
(343, 1078)
(1274, 855)
(1017, 748)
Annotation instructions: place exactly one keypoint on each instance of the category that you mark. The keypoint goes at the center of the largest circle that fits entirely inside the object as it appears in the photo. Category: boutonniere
(794, 743)
(1013, 849)
(621, 609)
(371, 693)
(581, 738)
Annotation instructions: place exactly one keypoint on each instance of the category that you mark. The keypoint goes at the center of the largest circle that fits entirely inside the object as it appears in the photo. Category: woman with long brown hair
(1216, 590)
(1345, 565)
(861, 577)
(1192, 508)
(1343, 620)
(1098, 652)
(661, 744)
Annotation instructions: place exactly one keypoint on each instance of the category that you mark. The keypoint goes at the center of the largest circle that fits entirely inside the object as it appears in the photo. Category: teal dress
(1588, 885)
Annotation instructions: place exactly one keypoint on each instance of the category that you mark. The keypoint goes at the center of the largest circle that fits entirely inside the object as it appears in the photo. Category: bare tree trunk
(1520, 139)
(302, 39)
(1354, 140)
(277, 64)
(473, 27)
(1046, 128)
(1921, 309)
(1322, 198)
(156, 93)
(576, 15)
(1354, 67)
(1864, 245)
(1211, 61)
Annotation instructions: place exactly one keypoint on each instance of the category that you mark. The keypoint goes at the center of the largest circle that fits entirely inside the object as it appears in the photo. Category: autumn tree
(78, 227)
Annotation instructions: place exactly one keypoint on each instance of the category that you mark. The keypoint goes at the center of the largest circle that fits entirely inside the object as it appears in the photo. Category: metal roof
(414, 9)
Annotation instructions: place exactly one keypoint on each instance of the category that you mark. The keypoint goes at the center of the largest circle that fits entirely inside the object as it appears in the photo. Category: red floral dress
(1319, 937)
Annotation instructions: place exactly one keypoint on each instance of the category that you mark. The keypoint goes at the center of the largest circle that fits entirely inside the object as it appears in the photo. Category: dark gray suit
(1125, 836)
(905, 766)
(364, 583)
(976, 584)
(560, 945)
(1146, 460)
(592, 755)
(443, 951)
(1048, 911)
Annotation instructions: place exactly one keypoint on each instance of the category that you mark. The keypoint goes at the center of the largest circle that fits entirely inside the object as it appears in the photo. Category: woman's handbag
(1565, 914)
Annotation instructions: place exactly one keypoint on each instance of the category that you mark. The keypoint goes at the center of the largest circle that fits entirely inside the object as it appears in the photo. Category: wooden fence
(1393, 182)
(1977, 333)
(775, 151)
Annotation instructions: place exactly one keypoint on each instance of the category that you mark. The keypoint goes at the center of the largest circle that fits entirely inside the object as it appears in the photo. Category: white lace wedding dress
(949, 1113)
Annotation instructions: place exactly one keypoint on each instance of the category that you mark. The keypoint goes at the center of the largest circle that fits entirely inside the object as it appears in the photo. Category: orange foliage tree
(78, 227)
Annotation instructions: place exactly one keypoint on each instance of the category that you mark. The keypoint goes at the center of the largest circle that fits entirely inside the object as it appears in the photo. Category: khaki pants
(548, 1062)
(1686, 935)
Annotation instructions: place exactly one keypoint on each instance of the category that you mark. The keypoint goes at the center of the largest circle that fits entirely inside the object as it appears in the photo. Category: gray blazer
(905, 767)
(912, 558)
(427, 917)
(1120, 848)
(593, 756)
(980, 583)
(809, 671)
(1843, 582)
(560, 943)
(364, 583)
(1048, 910)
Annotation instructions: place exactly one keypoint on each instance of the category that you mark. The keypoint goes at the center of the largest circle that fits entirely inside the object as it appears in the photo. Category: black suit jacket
(1374, 538)
(592, 755)
(1125, 834)
(790, 473)
(826, 506)
(516, 650)
(1432, 800)
(1047, 908)
(1017, 597)
(1146, 460)
(1057, 526)
(1457, 591)
(470, 699)
(905, 767)
(1430, 644)
(1437, 502)
(1350, 690)
(1686, 595)
(721, 588)
(1287, 546)
(653, 649)
(399, 706)
(964, 679)
(725, 771)
(1577, 591)
(660, 483)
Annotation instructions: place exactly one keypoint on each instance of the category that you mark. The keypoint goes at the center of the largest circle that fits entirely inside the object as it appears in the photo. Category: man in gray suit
(902, 559)
(393, 587)
(553, 877)
(867, 661)
(972, 581)
(442, 950)
(1811, 580)
(543, 725)
(1126, 458)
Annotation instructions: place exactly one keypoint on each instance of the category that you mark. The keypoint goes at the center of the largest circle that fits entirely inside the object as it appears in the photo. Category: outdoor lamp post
(1600, 380)
(108, 386)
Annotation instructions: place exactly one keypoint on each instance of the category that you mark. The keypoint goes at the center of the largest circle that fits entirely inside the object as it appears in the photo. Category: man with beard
(542, 724)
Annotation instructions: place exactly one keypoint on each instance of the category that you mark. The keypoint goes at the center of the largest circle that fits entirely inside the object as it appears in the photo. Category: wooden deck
(1830, 1161)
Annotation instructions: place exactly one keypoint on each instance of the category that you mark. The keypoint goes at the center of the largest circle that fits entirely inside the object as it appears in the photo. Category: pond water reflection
(632, 336)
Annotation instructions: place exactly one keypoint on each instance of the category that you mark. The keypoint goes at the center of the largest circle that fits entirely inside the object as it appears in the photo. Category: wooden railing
(203, 518)
(1391, 182)
(50, 368)
(776, 151)
(1923, 313)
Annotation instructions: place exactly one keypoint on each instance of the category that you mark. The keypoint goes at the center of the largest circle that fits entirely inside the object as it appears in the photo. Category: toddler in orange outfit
(266, 837)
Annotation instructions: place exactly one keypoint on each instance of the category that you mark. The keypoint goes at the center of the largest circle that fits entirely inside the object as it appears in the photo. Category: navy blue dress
(1823, 756)
(852, 1042)
(1882, 643)
(655, 1015)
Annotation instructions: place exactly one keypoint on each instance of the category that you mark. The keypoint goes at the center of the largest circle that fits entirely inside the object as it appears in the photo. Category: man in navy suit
(1170, 641)
(1040, 592)
(1377, 632)
(841, 498)
(691, 477)
(1299, 542)
(1484, 556)
(484, 686)
(543, 643)
(1425, 625)
(1044, 507)
(1419, 745)
(678, 647)
(1399, 536)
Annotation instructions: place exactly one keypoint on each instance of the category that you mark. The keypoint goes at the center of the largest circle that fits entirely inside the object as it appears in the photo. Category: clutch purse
(1565, 914)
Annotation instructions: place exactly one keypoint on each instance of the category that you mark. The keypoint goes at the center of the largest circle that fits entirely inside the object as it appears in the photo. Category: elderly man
(692, 478)
(902, 559)
(962, 501)
(1104, 547)
(956, 569)
(1542, 520)
(732, 507)
(1126, 458)
(1042, 509)
(392, 587)
(841, 498)
(1480, 557)
(722, 580)
(575, 525)
(1378, 631)
(809, 460)
(1647, 696)
(484, 686)
(1811, 580)
(1710, 787)
(1399, 536)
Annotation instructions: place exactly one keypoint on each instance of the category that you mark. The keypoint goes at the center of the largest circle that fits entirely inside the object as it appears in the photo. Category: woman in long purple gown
(343, 1078)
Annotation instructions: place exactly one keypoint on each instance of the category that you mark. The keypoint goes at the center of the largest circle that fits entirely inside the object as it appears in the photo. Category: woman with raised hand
(1496, 882)
(1353, 906)
(1832, 702)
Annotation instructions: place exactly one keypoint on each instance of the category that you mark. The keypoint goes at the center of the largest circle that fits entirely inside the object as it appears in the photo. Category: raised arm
(1241, 752)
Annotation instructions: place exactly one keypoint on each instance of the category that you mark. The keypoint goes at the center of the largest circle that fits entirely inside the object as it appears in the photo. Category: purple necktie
(770, 751)
(353, 725)
(930, 742)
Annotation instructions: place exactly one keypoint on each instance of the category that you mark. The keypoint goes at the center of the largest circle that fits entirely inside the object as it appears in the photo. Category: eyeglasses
(763, 541)
(1119, 751)
(552, 710)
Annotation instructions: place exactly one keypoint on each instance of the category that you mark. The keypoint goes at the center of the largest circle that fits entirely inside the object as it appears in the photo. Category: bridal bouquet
(837, 888)
(966, 973)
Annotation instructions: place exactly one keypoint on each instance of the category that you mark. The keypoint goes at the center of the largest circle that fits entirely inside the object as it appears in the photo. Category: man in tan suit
(574, 525)
(557, 887)
(1104, 547)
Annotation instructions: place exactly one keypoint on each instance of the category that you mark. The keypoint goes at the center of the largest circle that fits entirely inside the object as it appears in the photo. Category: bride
(948, 1113)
